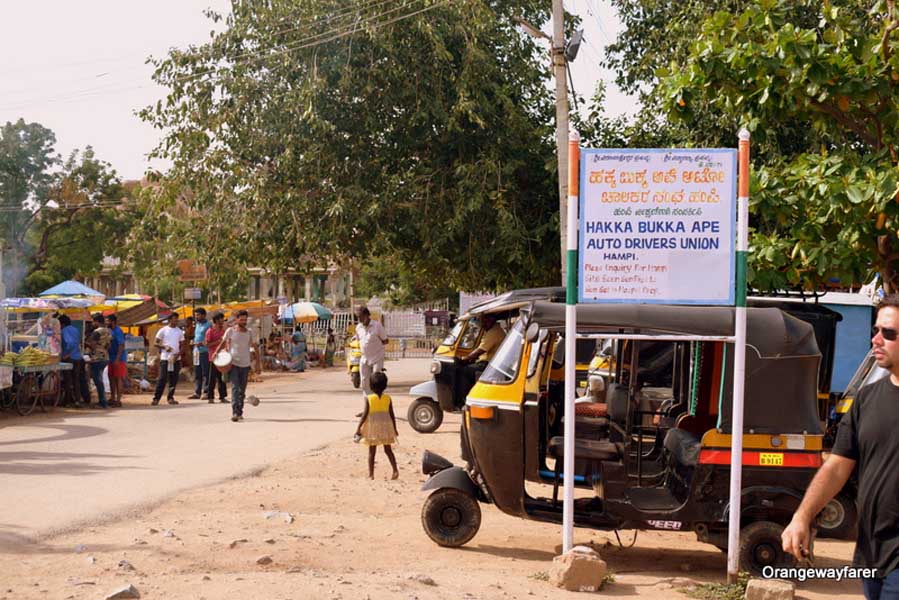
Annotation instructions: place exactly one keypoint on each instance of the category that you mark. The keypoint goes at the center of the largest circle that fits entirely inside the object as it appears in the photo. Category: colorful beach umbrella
(306, 312)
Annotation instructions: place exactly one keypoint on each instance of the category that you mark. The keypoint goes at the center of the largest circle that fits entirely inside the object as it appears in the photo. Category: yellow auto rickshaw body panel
(502, 394)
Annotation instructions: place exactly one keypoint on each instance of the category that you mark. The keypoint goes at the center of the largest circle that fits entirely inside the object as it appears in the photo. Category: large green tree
(702, 70)
(84, 221)
(27, 158)
(828, 209)
(59, 219)
(418, 131)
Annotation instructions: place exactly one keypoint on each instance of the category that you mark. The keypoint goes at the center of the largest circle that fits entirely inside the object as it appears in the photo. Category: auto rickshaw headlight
(435, 367)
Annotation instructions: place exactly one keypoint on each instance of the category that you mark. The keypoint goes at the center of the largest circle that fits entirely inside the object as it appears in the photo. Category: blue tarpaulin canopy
(70, 288)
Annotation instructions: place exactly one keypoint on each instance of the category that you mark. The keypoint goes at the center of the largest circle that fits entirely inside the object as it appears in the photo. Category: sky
(79, 68)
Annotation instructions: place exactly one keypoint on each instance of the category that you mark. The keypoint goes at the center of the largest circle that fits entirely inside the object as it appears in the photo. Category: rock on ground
(769, 589)
(578, 570)
(129, 591)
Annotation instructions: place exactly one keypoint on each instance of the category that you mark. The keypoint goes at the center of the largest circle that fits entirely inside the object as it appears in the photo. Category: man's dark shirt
(869, 434)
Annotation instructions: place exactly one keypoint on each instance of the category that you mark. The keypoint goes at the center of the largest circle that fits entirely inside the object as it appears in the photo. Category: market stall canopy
(131, 313)
(71, 288)
(25, 305)
(304, 312)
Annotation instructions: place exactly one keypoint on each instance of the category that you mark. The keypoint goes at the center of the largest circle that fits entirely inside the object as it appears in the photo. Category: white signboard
(657, 226)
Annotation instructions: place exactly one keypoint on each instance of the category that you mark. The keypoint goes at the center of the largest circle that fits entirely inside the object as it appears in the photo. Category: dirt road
(74, 467)
(345, 536)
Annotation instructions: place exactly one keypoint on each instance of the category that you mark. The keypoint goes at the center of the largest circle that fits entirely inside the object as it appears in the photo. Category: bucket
(222, 361)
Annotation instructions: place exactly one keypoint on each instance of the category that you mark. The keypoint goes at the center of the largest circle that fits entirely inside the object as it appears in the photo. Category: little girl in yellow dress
(377, 427)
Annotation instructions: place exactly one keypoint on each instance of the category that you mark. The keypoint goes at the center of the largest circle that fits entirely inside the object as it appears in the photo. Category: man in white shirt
(168, 341)
(372, 339)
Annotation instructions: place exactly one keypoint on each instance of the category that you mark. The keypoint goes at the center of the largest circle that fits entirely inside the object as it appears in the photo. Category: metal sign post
(570, 339)
(736, 450)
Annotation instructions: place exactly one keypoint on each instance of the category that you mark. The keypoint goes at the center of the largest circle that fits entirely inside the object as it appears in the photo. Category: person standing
(200, 354)
(169, 340)
(98, 342)
(118, 357)
(240, 342)
(372, 339)
(866, 439)
(330, 348)
(215, 338)
(76, 390)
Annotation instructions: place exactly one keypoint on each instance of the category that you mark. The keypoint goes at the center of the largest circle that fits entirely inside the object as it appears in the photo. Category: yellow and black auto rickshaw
(452, 378)
(656, 453)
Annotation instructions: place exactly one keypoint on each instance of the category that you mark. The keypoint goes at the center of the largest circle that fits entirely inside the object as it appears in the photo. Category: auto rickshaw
(652, 457)
(452, 379)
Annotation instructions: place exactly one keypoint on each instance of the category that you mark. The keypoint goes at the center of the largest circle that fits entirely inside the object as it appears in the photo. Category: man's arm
(829, 480)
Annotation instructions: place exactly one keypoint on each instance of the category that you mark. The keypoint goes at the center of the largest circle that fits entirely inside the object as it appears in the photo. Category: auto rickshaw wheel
(424, 415)
(838, 518)
(356, 378)
(451, 517)
(761, 546)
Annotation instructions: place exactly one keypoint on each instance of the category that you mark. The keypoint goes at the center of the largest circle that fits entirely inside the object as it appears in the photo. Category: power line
(311, 41)
(334, 34)
(354, 11)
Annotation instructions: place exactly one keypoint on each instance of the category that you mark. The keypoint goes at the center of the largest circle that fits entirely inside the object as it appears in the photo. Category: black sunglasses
(887, 333)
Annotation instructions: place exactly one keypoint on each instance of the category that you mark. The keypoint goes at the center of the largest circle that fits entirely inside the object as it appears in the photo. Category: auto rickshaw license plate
(771, 459)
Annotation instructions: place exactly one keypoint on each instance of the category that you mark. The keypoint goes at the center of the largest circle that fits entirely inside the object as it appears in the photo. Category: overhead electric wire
(311, 41)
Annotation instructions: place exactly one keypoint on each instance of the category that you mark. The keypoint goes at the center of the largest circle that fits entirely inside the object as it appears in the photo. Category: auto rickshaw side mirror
(532, 333)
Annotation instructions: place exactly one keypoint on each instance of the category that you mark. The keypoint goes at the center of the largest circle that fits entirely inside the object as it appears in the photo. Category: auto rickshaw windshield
(504, 365)
(453, 335)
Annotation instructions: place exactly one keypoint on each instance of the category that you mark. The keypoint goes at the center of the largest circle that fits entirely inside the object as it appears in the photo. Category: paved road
(73, 468)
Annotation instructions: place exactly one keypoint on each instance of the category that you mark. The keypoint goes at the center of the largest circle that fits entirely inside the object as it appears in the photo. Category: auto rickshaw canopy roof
(516, 299)
(770, 331)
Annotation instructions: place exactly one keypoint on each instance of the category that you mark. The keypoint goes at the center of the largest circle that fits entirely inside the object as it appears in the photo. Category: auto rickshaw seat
(683, 446)
(598, 450)
(591, 410)
(618, 402)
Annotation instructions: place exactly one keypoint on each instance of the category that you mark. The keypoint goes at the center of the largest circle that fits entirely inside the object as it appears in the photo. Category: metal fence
(409, 333)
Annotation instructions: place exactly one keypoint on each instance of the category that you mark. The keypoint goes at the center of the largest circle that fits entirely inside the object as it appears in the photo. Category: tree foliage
(829, 209)
(793, 73)
(59, 219)
(426, 141)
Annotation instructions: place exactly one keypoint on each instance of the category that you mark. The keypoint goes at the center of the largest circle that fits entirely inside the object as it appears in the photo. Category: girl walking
(377, 426)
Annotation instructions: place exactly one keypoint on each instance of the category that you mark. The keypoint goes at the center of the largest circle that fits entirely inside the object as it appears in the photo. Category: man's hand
(796, 538)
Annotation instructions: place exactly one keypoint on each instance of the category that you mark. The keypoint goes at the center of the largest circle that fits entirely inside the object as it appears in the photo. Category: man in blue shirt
(118, 357)
(71, 353)
(200, 354)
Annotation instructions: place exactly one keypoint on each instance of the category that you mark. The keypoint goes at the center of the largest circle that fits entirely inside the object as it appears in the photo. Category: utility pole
(560, 70)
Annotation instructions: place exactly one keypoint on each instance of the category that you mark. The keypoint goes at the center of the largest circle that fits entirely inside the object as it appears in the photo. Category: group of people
(207, 341)
(104, 349)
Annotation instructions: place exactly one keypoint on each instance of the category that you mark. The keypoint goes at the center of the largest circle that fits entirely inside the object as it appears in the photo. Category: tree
(83, 221)
(26, 159)
(323, 131)
(828, 210)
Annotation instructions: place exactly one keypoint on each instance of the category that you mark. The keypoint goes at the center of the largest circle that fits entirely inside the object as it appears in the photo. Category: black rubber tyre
(450, 517)
(26, 395)
(761, 546)
(357, 379)
(424, 415)
(839, 519)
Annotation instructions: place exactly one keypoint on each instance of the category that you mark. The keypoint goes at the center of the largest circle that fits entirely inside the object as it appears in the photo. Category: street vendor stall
(29, 363)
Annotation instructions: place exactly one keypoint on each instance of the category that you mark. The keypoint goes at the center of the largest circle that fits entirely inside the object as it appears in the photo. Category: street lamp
(562, 54)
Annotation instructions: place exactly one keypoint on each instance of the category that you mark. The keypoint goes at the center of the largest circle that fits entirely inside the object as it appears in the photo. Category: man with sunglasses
(867, 438)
